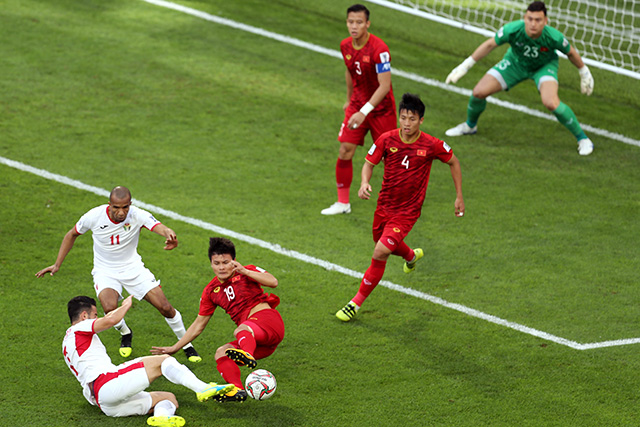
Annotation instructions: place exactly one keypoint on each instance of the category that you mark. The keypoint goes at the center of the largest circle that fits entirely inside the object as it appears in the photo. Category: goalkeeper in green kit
(531, 55)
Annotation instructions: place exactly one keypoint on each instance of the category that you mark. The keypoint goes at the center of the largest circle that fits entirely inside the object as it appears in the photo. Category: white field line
(410, 76)
(316, 261)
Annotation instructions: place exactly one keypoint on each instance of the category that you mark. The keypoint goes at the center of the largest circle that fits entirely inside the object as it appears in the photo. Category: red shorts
(268, 330)
(377, 124)
(391, 230)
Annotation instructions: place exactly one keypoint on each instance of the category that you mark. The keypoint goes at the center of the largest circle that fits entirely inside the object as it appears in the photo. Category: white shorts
(137, 284)
(121, 393)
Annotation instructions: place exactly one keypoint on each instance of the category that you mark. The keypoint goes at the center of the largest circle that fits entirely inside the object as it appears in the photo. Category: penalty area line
(407, 75)
(316, 261)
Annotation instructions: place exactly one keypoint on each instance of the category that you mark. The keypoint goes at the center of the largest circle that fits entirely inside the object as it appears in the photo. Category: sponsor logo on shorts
(391, 242)
(367, 282)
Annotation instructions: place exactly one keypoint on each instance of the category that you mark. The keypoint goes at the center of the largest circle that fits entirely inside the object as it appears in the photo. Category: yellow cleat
(347, 312)
(241, 357)
(125, 345)
(214, 391)
(235, 395)
(166, 421)
(408, 267)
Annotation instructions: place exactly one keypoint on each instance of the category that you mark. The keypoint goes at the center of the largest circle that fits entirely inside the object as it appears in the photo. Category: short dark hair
(221, 246)
(412, 102)
(358, 8)
(78, 304)
(537, 6)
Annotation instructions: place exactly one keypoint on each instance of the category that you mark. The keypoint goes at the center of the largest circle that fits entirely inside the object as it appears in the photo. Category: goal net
(606, 33)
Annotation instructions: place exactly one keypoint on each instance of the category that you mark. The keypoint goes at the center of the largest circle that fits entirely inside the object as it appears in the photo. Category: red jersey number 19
(230, 293)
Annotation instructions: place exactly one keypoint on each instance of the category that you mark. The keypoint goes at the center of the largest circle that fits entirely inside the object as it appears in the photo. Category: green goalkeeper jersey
(529, 53)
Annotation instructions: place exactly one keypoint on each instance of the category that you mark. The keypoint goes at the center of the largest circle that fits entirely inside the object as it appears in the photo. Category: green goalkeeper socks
(567, 117)
(474, 109)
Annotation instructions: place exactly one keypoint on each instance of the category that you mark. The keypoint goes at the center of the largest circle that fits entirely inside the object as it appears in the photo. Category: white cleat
(462, 129)
(337, 208)
(585, 147)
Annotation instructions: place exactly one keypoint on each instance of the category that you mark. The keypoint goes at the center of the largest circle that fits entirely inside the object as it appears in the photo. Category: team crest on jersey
(216, 289)
(127, 227)
(422, 153)
(396, 229)
(544, 49)
(393, 149)
(348, 57)
(366, 58)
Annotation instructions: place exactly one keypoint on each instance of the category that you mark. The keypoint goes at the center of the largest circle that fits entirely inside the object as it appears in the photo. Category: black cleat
(192, 354)
(125, 345)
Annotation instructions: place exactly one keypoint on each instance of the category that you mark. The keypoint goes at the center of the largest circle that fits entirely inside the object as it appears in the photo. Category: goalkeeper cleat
(214, 390)
(192, 355)
(462, 129)
(166, 421)
(125, 345)
(408, 267)
(337, 208)
(585, 147)
(241, 357)
(347, 312)
(235, 395)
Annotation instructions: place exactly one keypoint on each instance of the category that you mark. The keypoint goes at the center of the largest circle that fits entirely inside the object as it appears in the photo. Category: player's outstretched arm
(586, 79)
(171, 240)
(192, 333)
(113, 317)
(481, 51)
(456, 174)
(365, 188)
(66, 245)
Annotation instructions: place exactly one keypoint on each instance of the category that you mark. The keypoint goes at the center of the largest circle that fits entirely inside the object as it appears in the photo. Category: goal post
(606, 33)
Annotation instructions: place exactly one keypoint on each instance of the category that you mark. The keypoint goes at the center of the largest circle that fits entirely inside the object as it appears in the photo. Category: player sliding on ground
(407, 153)
(531, 55)
(119, 390)
(237, 289)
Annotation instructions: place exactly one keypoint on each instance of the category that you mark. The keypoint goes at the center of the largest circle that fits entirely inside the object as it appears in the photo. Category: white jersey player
(116, 263)
(119, 390)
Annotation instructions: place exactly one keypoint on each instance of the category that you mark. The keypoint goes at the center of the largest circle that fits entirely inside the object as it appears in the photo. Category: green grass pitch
(239, 130)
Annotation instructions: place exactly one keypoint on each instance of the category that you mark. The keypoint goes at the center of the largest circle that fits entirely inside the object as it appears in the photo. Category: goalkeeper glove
(586, 80)
(457, 73)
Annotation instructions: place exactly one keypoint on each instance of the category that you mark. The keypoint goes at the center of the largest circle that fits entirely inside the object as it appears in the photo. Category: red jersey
(364, 65)
(406, 170)
(237, 296)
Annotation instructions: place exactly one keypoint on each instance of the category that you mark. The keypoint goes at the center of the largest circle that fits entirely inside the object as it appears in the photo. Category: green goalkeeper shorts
(509, 73)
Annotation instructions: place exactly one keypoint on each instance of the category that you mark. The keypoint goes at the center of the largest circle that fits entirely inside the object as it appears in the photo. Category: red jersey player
(237, 289)
(370, 104)
(408, 154)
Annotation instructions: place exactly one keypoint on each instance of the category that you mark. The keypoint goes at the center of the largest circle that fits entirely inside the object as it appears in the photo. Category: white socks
(164, 408)
(122, 327)
(180, 374)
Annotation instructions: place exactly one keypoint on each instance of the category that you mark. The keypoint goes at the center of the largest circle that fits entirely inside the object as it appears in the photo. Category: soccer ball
(260, 384)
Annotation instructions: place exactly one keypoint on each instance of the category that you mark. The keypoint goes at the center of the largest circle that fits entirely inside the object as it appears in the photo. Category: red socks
(229, 371)
(344, 176)
(404, 251)
(246, 341)
(371, 278)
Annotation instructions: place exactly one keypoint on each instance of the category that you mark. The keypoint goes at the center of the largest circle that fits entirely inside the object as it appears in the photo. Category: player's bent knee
(221, 351)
